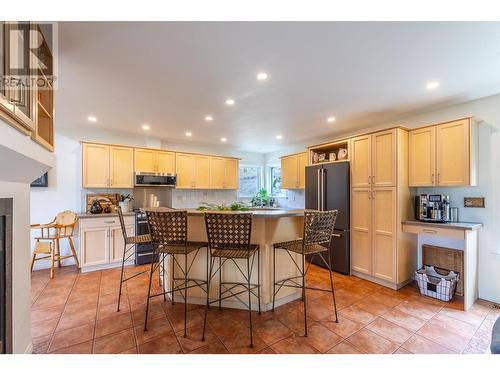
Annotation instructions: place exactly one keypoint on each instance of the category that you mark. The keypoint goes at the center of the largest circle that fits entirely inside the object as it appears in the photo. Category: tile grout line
(96, 311)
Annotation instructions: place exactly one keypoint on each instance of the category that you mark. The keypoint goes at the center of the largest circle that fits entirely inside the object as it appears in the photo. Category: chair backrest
(228, 230)
(66, 221)
(168, 227)
(122, 222)
(318, 226)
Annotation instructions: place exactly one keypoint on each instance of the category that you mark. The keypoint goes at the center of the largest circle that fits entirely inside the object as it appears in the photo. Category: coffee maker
(432, 207)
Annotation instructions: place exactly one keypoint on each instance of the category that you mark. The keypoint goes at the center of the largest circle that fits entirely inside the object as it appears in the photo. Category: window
(275, 181)
(250, 181)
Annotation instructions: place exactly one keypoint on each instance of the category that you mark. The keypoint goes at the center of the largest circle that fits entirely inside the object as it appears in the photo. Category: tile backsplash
(192, 198)
(294, 199)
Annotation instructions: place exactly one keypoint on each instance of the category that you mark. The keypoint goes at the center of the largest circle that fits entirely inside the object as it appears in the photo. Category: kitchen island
(268, 227)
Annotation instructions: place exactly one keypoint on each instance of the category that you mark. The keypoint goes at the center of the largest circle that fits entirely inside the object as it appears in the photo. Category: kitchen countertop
(84, 215)
(458, 225)
(260, 212)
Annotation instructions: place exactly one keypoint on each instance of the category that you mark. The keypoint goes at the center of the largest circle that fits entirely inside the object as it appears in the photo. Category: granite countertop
(457, 225)
(84, 215)
(260, 212)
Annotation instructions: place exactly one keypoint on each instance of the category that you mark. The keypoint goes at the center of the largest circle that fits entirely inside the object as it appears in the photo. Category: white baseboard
(106, 266)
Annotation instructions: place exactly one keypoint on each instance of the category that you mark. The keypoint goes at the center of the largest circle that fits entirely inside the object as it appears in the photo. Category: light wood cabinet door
(453, 153)
(95, 165)
(384, 233)
(165, 162)
(384, 158)
(232, 174)
(202, 168)
(121, 167)
(94, 246)
(185, 169)
(361, 232)
(422, 156)
(145, 160)
(361, 161)
(302, 163)
(289, 177)
(116, 242)
(217, 173)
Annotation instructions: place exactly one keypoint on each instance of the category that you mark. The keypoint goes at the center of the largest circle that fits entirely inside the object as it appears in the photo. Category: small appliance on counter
(432, 207)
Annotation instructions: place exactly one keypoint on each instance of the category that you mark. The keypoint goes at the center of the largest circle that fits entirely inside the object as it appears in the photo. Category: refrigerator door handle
(319, 190)
(323, 171)
(336, 235)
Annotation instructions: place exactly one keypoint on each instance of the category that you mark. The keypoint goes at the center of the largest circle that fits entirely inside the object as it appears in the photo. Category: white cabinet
(101, 241)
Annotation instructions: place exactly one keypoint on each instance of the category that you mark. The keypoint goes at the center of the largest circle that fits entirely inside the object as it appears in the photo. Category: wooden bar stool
(48, 243)
(169, 236)
(317, 237)
(229, 237)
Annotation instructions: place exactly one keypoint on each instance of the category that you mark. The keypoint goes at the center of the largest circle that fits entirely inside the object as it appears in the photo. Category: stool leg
(73, 251)
(172, 280)
(149, 294)
(304, 294)
(162, 278)
(258, 278)
(220, 283)
(331, 285)
(121, 277)
(185, 293)
(249, 302)
(274, 276)
(208, 295)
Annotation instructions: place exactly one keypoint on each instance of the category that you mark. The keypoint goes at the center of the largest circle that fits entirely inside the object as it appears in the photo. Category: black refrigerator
(328, 188)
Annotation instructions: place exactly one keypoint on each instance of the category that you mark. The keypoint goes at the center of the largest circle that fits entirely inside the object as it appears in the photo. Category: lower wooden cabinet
(361, 231)
(101, 241)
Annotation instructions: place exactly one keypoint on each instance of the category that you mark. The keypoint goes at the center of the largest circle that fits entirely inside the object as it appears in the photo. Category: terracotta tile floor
(76, 313)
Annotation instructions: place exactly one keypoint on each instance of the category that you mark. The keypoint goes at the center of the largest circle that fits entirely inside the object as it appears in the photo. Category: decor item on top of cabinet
(322, 158)
(342, 154)
(315, 158)
(332, 156)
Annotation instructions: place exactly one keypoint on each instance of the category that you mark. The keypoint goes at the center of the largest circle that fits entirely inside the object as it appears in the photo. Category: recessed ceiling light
(209, 118)
(188, 134)
(279, 136)
(432, 85)
(262, 76)
(92, 119)
(230, 101)
(330, 119)
(146, 127)
(223, 139)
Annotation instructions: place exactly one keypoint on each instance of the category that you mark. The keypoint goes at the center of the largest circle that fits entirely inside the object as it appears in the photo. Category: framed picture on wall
(42, 181)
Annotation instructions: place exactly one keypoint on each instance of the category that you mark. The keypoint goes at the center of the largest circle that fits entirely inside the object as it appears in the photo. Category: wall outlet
(474, 202)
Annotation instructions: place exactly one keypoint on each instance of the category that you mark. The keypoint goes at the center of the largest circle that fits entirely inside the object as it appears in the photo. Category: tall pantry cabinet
(380, 200)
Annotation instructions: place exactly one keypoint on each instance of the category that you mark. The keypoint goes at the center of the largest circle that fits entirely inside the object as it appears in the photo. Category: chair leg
(52, 260)
(274, 276)
(149, 294)
(73, 251)
(209, 277)
(162, 278)
(304, 294)
(58, 247)
(172, 284)
(249, 302)
(333, 289)
(258, 279)
(121, 277)
(185, 292)
(220, 283)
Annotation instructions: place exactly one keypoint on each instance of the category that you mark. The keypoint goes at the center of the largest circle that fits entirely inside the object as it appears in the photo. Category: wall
(21, 161)
(487, 110)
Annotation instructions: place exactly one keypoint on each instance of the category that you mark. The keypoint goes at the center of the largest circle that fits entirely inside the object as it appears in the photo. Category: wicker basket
(436, 285)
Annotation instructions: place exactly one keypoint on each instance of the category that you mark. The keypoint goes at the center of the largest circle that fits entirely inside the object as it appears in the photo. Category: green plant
(261, 198)
(236, 206)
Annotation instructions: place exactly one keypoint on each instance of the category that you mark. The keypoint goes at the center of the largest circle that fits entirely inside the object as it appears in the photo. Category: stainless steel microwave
(155, 179)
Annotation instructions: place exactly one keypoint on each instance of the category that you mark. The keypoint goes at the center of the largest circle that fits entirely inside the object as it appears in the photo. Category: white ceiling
(170, 75)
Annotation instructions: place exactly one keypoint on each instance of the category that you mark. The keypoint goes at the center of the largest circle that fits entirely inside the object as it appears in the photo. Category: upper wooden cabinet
(105, 166)
(154, 161)
(373, 159)
(223, 173)
(193, 171)
(444, 154)
(293, 169)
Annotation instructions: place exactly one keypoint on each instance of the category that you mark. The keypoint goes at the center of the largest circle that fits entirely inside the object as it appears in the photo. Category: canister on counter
(454, 214)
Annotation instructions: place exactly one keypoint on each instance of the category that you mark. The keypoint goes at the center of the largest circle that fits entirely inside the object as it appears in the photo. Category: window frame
(260, 183)
(269, 184)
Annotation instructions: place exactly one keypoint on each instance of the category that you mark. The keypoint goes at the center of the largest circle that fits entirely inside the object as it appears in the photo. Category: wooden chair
(48, 243)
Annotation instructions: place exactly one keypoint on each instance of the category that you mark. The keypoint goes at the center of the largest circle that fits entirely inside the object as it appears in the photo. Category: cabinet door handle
(373, 195)
(373, 180)
(369, 180)
(439, 178)
(432, 178)
(429, 231)
(109, 222)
